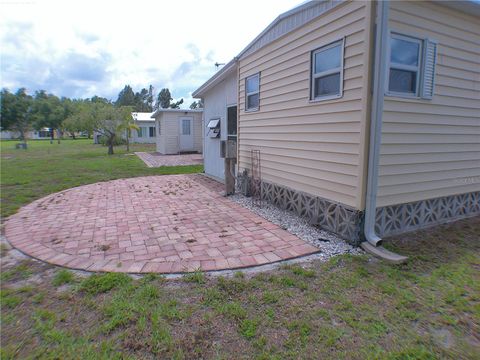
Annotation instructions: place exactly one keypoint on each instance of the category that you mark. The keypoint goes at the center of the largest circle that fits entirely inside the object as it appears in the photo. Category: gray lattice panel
(348, 222)
(401, 218)
(330, 216)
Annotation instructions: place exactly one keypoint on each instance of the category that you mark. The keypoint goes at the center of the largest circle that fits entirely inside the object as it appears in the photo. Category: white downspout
(379, 73)
(373, 244)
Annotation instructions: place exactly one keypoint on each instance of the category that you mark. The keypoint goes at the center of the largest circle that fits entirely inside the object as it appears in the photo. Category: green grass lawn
(46, 168)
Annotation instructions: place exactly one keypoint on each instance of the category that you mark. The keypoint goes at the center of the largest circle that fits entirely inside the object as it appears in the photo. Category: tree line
(21, 112)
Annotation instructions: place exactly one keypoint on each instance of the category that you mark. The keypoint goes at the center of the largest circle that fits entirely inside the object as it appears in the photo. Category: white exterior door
(186, 133)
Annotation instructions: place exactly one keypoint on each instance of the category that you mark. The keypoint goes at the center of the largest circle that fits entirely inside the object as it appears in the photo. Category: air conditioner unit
(228, 149)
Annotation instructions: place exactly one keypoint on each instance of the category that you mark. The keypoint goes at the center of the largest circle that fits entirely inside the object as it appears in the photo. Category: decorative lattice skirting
(334, 217)
(401, 218)
(348, 222)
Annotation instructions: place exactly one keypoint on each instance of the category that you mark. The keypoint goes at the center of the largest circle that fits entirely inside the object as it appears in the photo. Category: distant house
(147, 133)
(366, 114)
(178, 130)
(32, 134)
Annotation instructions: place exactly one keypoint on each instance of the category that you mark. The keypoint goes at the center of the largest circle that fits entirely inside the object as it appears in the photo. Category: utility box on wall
(228, 149)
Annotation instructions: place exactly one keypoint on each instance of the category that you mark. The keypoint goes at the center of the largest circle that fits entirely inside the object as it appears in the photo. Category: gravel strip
(329, 244)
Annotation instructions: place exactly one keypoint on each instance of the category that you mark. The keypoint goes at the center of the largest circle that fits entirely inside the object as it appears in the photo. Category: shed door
(186, 133)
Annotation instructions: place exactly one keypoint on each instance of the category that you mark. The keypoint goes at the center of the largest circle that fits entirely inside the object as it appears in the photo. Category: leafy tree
(79, 118)
(176, 105)
(150, 98)
(16, 112)
(48, 112)
(196, 105)
(98, 99)
(68, 110)
(164, 98)
(128, 125)
(73, 124)
(110, 122)
(141, 101)
(126, 97)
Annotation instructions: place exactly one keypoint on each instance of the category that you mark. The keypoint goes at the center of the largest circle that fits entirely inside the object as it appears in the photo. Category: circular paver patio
(163, 224)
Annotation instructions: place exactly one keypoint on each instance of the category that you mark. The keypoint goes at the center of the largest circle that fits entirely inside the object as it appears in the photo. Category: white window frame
(339, 69)
(190, 130)
(417, 69)
(247, 94)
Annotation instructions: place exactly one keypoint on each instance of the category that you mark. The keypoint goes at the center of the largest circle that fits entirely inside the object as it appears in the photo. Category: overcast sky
(82, 48)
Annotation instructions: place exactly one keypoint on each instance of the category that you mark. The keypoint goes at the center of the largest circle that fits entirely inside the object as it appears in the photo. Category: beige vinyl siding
(315, 147)
(431, 148)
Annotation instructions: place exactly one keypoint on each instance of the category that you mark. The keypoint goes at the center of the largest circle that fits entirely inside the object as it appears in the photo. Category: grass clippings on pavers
(352, 307)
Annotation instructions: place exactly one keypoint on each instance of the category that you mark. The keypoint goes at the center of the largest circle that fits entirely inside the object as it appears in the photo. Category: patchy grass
(19, 272)
(100, 283)
(46, 168)
(62, 277)
(197, 277)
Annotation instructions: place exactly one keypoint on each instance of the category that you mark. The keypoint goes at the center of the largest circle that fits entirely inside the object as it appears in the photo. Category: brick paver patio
(157, 160)
(163, 224)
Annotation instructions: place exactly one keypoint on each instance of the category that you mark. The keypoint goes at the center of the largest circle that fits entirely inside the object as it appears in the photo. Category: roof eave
(162, 110)
(466, 6)
(216, 78)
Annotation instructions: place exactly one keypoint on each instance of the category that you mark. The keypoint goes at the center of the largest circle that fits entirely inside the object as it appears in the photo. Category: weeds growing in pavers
(100, 283)
(62, 277)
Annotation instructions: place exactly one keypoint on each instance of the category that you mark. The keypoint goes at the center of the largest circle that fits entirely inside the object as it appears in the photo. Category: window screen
(327, 71)
(252, 92)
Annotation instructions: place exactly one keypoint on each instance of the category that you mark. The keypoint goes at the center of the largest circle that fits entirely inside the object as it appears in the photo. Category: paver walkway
(156, 159)
(163, 224)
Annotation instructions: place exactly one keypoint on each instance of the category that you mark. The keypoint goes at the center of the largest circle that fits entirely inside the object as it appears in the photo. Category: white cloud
(86, 48)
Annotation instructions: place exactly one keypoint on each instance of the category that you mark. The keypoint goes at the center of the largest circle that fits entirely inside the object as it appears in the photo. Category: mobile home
(366, 113)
